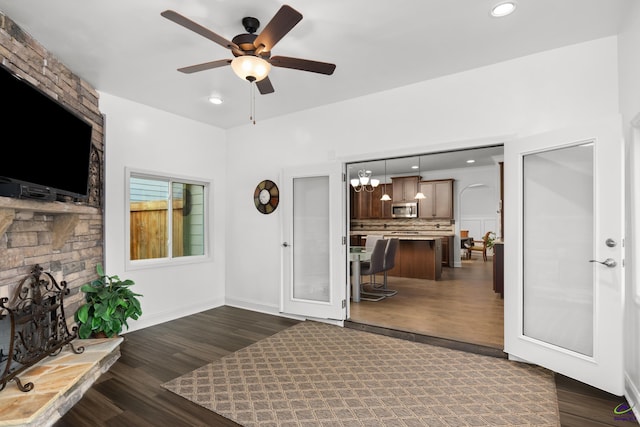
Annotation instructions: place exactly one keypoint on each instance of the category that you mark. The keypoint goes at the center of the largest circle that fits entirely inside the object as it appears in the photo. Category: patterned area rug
(314, 374)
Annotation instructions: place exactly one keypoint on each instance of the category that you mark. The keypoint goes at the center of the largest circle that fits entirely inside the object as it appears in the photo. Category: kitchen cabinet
(405, 188)
(418, 259)
(445, 251)
(498, 268)
(381, 209)
(357, 240)
(438, 201)
(360, 204)
(365, 205)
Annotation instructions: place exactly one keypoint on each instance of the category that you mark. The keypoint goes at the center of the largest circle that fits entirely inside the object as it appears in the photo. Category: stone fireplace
(65, 238)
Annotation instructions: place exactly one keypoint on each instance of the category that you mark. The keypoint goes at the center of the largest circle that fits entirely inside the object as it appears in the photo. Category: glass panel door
(313, 246)
(558, 239)
(564, 252)
(311, 238)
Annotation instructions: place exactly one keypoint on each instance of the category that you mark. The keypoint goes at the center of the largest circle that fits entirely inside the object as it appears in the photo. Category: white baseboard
(632, 394)
(147, 320)
(253, 306)
(268, 309)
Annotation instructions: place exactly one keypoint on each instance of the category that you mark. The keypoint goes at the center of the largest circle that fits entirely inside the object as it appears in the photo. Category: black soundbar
(26, 191)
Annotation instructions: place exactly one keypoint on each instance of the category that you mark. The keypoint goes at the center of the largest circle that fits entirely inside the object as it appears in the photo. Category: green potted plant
(491, 239)
(109, 303)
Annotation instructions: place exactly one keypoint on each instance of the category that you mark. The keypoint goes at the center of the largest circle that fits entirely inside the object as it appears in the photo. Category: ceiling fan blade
(264, 86)
(303, 64)
(195, 27)
(205, 66)
(284, 20)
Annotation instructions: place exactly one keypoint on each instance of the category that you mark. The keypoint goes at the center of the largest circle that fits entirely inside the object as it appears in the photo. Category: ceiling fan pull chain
(252, 102)
(250, 107)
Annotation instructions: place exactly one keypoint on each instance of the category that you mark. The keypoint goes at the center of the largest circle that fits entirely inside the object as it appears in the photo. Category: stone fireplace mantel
(65, 215)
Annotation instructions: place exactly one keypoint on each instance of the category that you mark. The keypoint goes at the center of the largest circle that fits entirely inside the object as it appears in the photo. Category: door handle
(609, 262)
(285, 245)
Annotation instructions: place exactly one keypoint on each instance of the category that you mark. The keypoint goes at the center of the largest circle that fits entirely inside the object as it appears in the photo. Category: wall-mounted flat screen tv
(44, 145)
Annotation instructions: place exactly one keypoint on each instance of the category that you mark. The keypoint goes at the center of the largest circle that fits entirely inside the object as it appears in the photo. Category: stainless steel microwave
(404, 210)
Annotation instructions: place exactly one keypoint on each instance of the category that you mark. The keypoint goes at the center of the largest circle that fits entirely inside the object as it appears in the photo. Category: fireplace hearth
(37, 354)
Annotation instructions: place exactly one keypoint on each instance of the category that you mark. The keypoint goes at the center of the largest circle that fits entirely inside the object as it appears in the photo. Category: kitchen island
(419, 256)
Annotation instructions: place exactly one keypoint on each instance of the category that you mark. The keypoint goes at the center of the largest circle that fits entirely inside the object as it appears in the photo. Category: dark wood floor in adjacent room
(130, 394)
(462, 306)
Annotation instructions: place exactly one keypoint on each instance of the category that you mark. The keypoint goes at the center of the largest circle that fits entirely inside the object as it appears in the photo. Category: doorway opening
(457, 301)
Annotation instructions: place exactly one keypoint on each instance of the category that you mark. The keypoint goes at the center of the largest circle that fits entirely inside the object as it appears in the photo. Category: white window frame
(169, 260)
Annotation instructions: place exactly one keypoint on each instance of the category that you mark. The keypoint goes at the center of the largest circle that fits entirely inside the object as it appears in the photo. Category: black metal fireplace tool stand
(33, 326)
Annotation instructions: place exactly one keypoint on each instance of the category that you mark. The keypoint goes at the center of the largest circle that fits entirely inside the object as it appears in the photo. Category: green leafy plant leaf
(109, 303)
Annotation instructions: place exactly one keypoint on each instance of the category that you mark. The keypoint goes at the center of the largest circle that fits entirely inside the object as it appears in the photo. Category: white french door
(564, 255)
(313, 249)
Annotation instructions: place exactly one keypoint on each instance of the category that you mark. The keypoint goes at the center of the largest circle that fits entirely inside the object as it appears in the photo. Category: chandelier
(364, 182)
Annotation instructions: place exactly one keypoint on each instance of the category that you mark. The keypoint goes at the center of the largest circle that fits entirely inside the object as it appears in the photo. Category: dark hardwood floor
(130, 393)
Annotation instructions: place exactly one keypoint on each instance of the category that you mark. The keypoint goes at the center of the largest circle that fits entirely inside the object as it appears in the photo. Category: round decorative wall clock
(266, 197)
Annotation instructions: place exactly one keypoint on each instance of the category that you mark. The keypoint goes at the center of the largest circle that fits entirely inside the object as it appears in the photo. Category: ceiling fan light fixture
(250, 68)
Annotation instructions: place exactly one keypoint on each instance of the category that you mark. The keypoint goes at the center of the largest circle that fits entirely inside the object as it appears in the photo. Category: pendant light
(419, 195)
(385, 197)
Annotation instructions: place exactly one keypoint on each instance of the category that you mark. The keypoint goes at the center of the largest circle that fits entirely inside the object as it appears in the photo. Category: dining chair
(389, 263)
(481, 245)
(370, 241)
(371, 268)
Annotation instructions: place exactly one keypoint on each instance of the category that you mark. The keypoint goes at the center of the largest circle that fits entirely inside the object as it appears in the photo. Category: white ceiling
(125, 48)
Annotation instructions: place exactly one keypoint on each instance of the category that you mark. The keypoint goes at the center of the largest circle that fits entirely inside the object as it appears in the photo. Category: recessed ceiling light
(503, 9)
(215, 100)
(414, 167)
(471, 161)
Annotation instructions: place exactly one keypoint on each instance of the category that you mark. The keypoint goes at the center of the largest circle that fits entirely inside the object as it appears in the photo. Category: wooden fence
(148, 225)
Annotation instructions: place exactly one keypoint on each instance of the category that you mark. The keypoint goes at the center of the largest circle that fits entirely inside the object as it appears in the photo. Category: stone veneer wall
(66, 239)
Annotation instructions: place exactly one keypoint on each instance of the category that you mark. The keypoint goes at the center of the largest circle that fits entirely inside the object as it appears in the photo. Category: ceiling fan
(252, 52)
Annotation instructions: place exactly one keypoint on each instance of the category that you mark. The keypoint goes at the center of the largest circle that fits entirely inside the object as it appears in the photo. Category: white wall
(533, 94)
(524, 96)
(629, 69)
(148, 139)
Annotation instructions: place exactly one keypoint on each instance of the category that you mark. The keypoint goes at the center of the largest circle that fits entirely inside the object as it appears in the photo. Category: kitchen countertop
(412, 237)
(406, 235)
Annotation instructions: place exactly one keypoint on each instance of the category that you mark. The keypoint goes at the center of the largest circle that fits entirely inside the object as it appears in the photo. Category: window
(166, 217)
